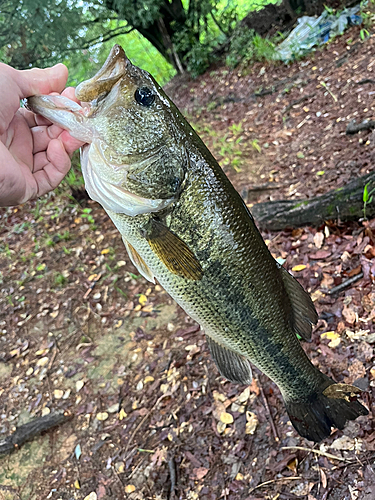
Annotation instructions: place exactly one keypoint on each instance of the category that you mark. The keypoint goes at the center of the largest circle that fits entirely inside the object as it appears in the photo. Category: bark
(342, 204)
(29, 431)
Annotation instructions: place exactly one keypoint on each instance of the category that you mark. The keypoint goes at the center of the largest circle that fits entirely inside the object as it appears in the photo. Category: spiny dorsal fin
(231, 365)
(172, 251)
(138, 262)
(304, 313)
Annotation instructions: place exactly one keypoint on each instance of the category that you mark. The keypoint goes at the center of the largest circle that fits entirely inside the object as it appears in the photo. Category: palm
(34, 154)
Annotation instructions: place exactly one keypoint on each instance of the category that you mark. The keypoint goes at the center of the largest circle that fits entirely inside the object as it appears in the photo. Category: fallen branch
(342, 204)
(29, 431)
(344, 284)
(354, 128)
(297, 101)
(172, 473)
(366, 80)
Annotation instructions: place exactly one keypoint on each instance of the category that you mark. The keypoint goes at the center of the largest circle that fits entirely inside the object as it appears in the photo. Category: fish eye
(144, 96)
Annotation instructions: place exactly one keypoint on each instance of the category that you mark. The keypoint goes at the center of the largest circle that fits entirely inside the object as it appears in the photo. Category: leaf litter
(82, 331)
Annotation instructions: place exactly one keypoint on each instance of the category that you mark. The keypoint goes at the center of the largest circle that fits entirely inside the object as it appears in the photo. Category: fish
(184, 225)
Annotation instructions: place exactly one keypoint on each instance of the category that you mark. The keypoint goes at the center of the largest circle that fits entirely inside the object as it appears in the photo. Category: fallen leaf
(105, 251)
(129, 488)
(101, 416)
(221, 427)
(122, 414)
(78, 451)
(349, 315)
(244, 396)
(226, 418)
(252, 422)
(142, 299)
(200, 472)
(344, 443)
(318, 239)
(299, 267)
(77, 485)
(58, 393)
(91, 496)
(320, 255)
(292, 465)
(42, 361)
(79, 385)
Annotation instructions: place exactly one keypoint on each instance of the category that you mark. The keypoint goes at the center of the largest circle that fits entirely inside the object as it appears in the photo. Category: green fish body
(185, 225)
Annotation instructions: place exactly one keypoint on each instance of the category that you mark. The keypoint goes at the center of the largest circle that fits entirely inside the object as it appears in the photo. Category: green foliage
(247, 46)
(59, 279)
(157, 35)
(367, 198)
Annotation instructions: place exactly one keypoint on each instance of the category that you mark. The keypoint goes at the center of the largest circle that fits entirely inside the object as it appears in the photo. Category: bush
(247, 46)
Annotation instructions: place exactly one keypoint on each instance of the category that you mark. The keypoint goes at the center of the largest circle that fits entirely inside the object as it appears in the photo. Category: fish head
(134, 160)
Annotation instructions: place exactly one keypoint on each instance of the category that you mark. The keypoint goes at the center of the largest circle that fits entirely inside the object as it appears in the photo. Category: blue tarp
(311, 31)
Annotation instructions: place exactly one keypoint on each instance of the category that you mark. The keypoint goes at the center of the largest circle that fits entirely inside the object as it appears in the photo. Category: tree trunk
(160, 32)
(342, 204)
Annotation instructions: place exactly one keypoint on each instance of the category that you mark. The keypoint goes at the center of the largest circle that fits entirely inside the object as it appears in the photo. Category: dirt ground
(150, 418)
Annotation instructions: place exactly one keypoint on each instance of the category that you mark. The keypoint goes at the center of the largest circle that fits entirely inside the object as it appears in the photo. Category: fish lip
(54, 102)
(109, 74)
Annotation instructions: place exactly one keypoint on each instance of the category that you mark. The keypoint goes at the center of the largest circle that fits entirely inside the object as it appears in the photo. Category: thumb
(41, 81)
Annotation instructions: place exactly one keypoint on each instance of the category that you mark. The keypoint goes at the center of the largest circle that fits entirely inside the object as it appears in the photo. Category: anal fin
(172, 251)
(138, 262)
(304, 312)
(231, 365)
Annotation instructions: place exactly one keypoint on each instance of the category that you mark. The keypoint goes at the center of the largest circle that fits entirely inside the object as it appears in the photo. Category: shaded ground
(81, 331)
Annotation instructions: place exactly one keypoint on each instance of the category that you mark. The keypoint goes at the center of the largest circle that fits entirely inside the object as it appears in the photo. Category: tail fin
(314, 416)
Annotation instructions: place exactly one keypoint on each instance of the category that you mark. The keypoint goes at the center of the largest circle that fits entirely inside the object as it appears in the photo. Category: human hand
(34, 154)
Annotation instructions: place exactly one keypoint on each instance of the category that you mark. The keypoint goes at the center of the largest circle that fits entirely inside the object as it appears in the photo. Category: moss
(330, 209)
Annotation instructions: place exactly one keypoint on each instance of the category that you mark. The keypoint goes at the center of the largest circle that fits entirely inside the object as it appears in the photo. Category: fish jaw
(64, 112)
(109, 74)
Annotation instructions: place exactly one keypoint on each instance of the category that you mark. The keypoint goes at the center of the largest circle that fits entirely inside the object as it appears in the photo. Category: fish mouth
(64, 112)
(109, 74)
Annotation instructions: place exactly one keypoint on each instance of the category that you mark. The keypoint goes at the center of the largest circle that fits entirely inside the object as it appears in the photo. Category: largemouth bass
(184, 224)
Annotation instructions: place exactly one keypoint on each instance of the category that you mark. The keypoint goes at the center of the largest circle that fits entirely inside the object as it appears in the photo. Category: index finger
(16, 84)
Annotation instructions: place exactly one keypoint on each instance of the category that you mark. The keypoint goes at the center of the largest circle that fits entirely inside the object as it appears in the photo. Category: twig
(266, 186)
(275, 481)
(274, 431)
(297, 101)
(143, 421)
(317, 452)
(323, 84)
(354, 128)
(344, 284)
(172, 473)
(28, 431)
(366, 80)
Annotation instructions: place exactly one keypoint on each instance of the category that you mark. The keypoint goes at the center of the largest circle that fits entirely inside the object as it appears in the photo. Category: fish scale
(184, 224)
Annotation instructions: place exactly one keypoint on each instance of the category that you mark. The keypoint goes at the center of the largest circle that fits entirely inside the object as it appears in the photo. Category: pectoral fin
(138, 262)
(304, 313)
(172, 251)
(231, 365)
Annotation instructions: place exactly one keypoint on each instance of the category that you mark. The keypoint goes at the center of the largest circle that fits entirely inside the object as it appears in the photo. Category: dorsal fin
(231, 365)
(138, 262)
(304, 312)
